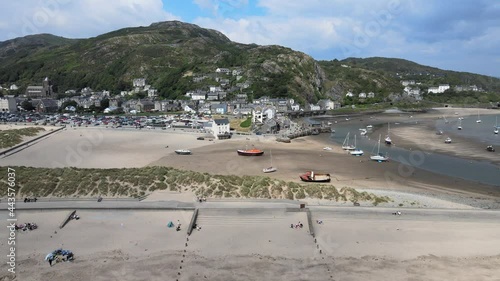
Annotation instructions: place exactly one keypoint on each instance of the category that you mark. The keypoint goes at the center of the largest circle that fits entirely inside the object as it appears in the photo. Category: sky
(461, 35)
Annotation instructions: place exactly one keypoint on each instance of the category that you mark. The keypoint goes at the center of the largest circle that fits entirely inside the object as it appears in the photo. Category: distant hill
(405, 69)
(170, 54)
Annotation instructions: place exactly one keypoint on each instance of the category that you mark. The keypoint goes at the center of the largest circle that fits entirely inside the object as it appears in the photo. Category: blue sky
(457, 35)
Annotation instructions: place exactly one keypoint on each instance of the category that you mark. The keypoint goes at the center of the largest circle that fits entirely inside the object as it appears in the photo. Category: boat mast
(378, 149)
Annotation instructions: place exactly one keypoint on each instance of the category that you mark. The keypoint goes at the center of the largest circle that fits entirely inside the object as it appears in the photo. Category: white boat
(271, 168)
(495, 130)
(379, 157)
(327, 148)
(363, 132)
(387, 139)
(459, 124)
(183, 151)
(346, 145)
(478, 118)
(447, 140)
(445, 120)
(369, 126)
(356, 151)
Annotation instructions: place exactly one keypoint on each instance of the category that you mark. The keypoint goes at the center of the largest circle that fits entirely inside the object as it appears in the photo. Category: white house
(408, 82)
(269, 112)
(8, 104)
(370, 95)
(214, 89)
(220, 127)
(295, 107)
(443, 87)
(326, 104)
(349, 94)
(257, 116)
(439, 90)
(152, 93)
(434, 90)
(13, 87)
(188, 109)
(139, 82)
(223, 70)
(314, 107)
(362, 95)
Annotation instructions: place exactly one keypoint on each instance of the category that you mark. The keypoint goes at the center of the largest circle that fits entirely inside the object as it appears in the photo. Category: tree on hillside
(67, 104)
(104, 103)
(27, 105)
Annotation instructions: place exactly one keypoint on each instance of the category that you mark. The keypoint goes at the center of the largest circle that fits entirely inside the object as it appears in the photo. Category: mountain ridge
(165, 52)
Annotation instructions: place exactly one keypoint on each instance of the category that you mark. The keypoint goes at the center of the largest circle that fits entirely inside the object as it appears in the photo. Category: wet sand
(305, 154)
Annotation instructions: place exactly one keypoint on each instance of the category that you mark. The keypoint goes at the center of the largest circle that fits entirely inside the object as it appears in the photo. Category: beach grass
(10, 138)
(136, 182)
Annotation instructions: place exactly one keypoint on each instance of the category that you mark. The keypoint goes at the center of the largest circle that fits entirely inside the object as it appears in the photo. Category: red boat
(312, 177)
(250, 152)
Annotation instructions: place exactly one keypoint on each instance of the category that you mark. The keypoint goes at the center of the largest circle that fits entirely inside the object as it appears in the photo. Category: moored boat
(346, 145)
(356, 151)
(313, 177)
(183, 151)
(250, 152)
(490, 148)
(271, 168)
(447, 140)
(379, 157)
(388, 139)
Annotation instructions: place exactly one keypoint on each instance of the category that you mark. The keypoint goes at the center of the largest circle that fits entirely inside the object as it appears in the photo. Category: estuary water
(472, 170)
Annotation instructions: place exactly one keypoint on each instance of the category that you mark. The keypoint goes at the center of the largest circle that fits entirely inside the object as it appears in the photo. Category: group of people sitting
(74, 217)
(202, 199)
(177, 228)
(296, 226)
(30, 200)
(26, 226)
(319, 221)
(59, 255)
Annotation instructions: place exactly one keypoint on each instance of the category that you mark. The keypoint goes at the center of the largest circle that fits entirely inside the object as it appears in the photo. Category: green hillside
(170, 54)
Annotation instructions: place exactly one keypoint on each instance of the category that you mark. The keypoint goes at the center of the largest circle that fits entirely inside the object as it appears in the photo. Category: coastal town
(249, 140)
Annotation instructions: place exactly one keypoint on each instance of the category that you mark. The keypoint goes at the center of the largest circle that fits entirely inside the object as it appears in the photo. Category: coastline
(116, 148)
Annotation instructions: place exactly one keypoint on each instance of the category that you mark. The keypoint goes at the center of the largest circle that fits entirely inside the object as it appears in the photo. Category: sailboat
(346, 145)
(356, 151)
(445, 120)
(271, 168)
(388, 140)
(478, 118)
(379, 157)
(459, 124)
(495, 131)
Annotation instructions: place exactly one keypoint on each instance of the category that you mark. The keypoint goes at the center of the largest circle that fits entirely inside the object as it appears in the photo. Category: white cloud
(221, 7)
(301, 33)
(441, 33)
(82, 18)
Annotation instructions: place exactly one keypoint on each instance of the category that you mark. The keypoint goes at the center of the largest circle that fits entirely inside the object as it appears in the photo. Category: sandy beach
(259, 244)
(103, 148)
(238, 242)
(121, 148)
